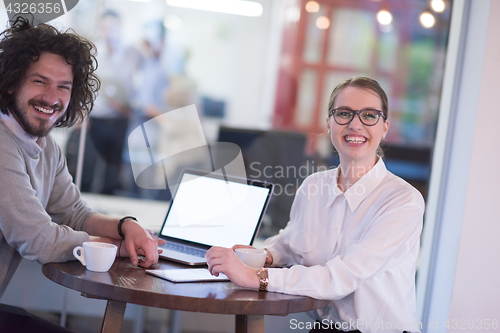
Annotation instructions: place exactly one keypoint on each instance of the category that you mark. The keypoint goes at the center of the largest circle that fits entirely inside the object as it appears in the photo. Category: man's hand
(140, 241)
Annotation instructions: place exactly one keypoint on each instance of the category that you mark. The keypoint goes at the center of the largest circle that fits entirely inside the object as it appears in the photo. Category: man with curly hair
(47, 80)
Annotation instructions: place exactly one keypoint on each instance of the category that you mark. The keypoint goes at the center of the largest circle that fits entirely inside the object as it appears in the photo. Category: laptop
(212, 210)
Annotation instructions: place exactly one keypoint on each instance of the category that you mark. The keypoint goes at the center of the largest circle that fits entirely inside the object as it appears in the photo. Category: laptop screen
(216, 212)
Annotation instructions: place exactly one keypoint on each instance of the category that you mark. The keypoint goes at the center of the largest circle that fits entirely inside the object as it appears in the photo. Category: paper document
(187, 275)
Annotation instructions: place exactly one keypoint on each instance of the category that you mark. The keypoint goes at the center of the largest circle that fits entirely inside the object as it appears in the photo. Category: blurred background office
(260, 76)
(260, 73)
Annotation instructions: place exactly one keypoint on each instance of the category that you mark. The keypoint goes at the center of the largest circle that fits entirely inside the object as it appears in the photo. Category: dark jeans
(17, 320)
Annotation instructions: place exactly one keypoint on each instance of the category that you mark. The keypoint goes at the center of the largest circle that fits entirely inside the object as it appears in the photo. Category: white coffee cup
(252, 257)
(97, 256)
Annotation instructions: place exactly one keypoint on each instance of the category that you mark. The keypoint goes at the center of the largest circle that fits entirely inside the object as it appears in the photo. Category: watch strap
(263, 279)
(120, 232)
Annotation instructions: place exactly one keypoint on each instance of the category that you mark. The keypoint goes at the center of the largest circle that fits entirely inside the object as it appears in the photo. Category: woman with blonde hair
(354, 231)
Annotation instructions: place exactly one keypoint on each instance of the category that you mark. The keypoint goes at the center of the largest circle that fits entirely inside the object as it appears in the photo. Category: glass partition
(155, 58)
(401, 44)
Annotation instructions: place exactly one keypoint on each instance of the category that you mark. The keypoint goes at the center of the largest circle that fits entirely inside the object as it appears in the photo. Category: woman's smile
(356, 142)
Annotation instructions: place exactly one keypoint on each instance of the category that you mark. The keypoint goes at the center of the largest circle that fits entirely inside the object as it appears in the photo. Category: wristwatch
(263, 278)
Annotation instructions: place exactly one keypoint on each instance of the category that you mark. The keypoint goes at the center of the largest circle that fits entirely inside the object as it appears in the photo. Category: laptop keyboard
(185, 249)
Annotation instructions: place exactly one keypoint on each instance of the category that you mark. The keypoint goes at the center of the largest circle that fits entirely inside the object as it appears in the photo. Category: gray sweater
(40, 207)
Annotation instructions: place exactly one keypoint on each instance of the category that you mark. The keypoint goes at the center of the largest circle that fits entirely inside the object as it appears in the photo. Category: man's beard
(30, 128)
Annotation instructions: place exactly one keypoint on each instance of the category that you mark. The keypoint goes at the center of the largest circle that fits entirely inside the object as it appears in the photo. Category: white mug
(97, 256)
(254, 258)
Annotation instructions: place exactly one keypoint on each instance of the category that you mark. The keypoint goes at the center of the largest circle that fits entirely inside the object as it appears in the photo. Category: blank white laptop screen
(215, 212)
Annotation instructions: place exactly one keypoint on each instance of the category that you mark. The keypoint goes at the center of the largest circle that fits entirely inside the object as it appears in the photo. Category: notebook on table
(187, 275)
(212, 210)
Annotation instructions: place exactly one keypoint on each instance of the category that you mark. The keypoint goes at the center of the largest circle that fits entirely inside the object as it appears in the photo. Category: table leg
(249, 323)
(113, 317)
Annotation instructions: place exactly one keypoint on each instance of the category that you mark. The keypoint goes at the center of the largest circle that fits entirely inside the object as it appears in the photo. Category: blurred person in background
(118, 65)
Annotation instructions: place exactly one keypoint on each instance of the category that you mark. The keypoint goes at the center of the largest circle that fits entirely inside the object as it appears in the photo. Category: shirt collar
(362, 188)
(33, 145)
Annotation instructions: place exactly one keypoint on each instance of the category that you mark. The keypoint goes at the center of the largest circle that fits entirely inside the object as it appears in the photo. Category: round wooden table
(124, 283)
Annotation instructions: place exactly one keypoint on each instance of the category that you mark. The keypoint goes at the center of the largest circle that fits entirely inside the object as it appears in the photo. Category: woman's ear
(386, 127)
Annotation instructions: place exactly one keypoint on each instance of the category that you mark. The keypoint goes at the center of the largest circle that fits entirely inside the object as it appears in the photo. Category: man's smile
(44, 109)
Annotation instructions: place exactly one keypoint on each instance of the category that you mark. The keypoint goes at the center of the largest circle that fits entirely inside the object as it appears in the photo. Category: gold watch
(263, 278)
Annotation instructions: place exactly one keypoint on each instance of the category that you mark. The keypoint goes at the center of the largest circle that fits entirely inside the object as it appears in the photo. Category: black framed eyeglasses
(368, 117)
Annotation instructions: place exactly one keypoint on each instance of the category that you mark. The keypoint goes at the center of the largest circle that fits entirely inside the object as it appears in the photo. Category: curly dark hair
(22, 44)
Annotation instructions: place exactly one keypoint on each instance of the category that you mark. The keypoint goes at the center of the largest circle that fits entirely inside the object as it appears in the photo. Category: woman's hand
(224, 260)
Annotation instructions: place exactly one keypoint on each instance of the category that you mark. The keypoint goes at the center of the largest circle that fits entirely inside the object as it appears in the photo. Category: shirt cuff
(276, 277)
(80, 237)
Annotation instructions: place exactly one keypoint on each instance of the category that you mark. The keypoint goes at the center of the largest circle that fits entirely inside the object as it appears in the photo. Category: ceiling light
(427, 20)
(438, 6)
(312, 7)
(236, 7)
(384, 17)
(322, 22)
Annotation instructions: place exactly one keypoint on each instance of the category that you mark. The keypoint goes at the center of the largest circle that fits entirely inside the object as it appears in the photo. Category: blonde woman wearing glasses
(354, 231)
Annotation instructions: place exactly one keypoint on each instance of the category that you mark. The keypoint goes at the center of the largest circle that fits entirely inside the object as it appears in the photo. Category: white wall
(476, 289)
(459, 277)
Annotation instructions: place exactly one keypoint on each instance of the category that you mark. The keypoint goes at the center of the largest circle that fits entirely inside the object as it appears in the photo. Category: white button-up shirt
(357, 248)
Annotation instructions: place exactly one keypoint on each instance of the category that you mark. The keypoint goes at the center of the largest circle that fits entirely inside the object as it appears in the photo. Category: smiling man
(47, 80)
(44, 94)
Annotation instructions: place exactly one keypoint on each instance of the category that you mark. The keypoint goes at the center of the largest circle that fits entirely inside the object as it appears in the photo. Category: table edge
(126, 295)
